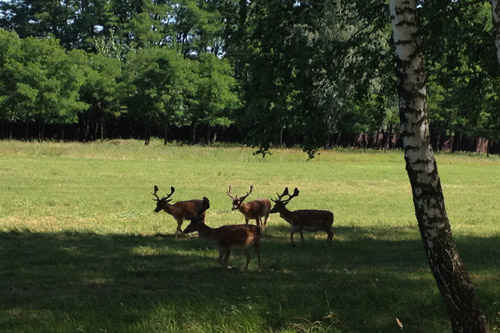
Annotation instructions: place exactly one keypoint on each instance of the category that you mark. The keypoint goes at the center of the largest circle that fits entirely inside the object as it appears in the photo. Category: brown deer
(227, 237)
(180, 210)
(252, 210)
(303, 219)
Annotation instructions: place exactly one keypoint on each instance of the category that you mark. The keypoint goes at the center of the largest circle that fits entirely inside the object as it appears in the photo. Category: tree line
(316, 74)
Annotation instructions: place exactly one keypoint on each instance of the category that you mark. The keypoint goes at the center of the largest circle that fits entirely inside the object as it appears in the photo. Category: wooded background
(263, 73)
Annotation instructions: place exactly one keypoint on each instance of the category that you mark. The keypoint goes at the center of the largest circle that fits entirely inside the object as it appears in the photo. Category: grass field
(82, 251)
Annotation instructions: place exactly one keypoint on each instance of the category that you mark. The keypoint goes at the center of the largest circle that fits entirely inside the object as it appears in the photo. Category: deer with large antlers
(227, 237)
(303, 219)
(181, 210)
(253, 210)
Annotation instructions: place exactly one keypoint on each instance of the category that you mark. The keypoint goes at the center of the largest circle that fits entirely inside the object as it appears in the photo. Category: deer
(303, 219)
(181, 210)
(252, 210)
(227, 237)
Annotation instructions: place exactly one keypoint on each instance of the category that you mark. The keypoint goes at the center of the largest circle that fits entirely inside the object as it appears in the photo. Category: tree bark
(194, 126)
(102, 120)
(456, 289)
(495, 11)
(165, 134)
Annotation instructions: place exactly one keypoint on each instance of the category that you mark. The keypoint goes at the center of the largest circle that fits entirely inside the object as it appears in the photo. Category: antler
(241, 198)
(156, 195)
(285, 193)
(229, 193)
(172, 190)
(246, 195)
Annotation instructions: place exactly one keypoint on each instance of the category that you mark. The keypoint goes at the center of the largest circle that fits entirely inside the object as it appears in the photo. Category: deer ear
(205, 205)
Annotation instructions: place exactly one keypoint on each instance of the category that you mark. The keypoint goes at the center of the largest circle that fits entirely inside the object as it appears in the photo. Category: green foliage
(215, 92)
(159, 82)
(301, 69)
(41, 81)
(462, 68)
(10, 46)
(306, 73)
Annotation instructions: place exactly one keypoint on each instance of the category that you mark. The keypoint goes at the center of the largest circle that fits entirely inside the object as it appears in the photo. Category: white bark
(495, 11)
(452, 279)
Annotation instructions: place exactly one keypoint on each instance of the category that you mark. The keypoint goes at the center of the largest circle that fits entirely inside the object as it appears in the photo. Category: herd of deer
(244, 235)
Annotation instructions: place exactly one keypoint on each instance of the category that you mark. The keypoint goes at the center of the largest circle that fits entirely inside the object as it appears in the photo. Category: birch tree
(457, 290)
(495, 11)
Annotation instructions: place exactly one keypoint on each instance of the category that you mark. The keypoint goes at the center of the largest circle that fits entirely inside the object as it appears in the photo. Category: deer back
(188, 209)
(312, 217)
(255, 209)
(240, 235)
(226, 236)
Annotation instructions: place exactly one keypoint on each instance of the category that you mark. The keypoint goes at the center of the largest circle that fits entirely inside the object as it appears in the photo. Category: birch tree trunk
(495, 11)
(457, 291)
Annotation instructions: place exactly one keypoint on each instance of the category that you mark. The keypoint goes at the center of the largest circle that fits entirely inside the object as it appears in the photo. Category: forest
(315, 74)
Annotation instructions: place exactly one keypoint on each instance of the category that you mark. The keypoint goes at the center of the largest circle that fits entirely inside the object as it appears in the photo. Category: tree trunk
(165, 134)
(456, 289)
(26, 130)
(214, 136)
(207, 134)
(147, 132)
(102, 120)
(495, 11)
(41, 130)
(389, 142)
(194, 126)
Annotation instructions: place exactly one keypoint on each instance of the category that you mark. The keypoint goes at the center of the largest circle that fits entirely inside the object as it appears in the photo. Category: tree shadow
(364, 281)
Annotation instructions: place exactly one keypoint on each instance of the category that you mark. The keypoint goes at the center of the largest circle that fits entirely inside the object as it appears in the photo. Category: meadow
(81, 249)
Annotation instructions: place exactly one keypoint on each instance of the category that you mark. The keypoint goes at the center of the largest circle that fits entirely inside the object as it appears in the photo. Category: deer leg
(256, 246)
(179, 224)
(330, 236)
(291, 238)
(257, 220)
(221, 255)
(249, 256)
(246, 220)
(226, 257)
(301, 236)
(265, 221)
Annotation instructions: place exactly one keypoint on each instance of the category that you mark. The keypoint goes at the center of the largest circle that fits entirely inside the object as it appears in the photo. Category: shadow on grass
(363, 282)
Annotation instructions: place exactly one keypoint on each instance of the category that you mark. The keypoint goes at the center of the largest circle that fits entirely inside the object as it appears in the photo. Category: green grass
(82, 250)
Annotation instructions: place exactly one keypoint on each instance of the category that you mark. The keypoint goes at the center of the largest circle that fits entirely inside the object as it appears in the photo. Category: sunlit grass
(82, 249)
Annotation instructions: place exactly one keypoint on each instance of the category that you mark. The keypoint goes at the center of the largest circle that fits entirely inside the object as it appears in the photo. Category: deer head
(162, 202)
(238, 201)
(283, 200)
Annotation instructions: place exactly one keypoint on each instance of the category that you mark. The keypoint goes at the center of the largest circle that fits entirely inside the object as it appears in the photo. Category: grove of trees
(311, 73)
